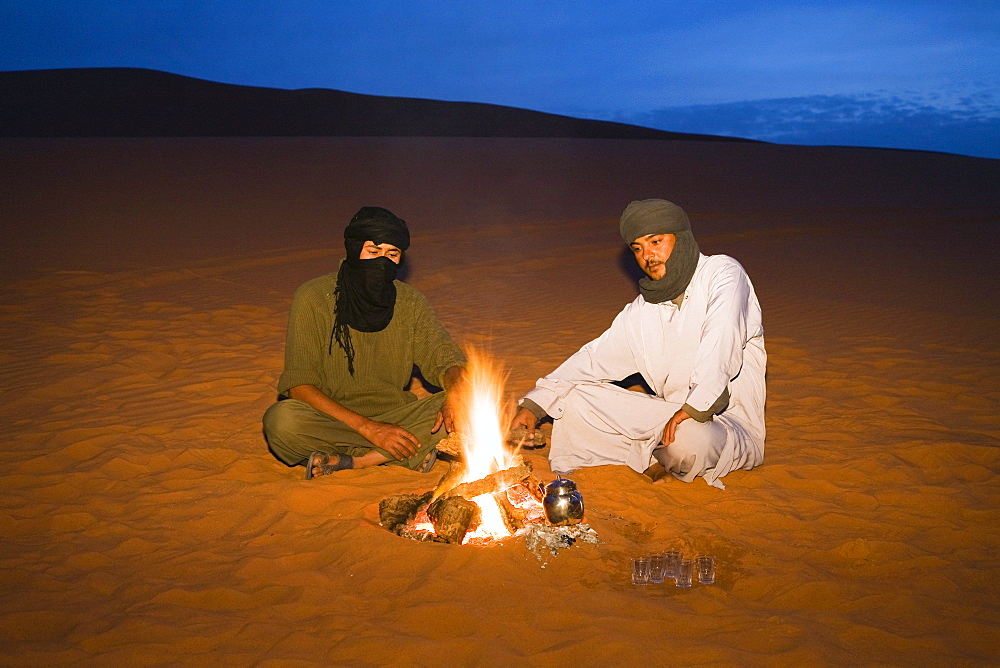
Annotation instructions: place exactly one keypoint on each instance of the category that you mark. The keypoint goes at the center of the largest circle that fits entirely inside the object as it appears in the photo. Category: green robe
(383, 366)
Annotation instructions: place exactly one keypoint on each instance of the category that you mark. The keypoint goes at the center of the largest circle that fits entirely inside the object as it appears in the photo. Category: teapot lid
(561, 484)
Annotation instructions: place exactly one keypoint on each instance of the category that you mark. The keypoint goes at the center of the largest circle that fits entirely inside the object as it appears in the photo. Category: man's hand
(670, 431)
(446, 416)
(526, 419)
(453, 382)
(391, 437)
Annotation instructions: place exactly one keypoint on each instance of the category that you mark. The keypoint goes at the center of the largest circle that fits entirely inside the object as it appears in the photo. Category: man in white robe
(694, 334)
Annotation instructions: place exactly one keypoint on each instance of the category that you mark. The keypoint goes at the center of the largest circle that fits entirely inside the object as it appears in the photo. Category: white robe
(687, 355)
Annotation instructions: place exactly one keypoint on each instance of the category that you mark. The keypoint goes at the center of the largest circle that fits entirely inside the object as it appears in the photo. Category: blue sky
(904, 74)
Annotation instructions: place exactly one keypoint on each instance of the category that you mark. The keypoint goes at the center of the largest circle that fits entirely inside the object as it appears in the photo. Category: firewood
(422, 536)
(453, 517)
(395, 512)
(494, 482)
(452, 477)
(453, 444)
(535, 486)
(513, 517)
(518, 438)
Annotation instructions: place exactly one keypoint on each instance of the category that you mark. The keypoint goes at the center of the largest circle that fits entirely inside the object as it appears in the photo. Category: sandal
(321, 461)
(428, 463)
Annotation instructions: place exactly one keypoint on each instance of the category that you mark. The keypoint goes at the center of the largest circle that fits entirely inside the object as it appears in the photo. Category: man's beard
(679, 268)
(651, 268)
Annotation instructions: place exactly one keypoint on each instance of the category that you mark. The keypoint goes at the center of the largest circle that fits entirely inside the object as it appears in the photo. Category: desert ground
(146, 284)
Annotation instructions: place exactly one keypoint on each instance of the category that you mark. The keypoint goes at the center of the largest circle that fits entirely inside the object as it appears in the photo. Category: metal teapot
(563, 502)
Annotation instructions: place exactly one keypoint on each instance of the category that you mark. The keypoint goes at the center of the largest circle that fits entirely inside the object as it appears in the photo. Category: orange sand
(145, 289)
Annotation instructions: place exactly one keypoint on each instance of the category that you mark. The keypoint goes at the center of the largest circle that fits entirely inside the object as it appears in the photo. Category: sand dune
(134, 102)
(145, 289)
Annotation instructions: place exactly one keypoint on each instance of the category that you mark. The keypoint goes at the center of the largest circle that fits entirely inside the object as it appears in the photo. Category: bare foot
(373, 458)
(655, 473)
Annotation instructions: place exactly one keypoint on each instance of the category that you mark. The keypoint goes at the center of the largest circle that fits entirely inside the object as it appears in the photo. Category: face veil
(366, 296)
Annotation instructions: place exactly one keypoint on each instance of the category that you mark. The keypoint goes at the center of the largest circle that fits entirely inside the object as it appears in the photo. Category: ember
(489, 492)
(478, 512)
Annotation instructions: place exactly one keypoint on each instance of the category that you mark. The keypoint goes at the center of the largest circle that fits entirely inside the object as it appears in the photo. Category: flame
(492, 526)
(483, 417)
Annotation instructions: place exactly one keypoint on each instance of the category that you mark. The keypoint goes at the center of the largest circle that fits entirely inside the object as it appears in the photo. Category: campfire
(489, 492)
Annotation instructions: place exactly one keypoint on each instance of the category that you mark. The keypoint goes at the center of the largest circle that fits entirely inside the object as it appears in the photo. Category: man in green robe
(353, 339)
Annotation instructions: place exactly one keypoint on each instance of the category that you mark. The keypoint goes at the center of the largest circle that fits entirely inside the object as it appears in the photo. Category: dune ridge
(135, 102)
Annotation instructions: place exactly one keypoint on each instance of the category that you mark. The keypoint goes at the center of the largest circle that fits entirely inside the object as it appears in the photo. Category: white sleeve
(723, 337)
(607, 358)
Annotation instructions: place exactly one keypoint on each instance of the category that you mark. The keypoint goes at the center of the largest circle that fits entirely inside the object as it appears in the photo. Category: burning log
(420, 535)
(451, 511)
(513, 517)
(453, 517)
(535, 487)
(494, 482)
(450, 480)
(396, 512)
(496, 505)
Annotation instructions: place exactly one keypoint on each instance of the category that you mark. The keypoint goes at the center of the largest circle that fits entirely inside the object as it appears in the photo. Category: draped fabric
(366, 295)
(688, 354)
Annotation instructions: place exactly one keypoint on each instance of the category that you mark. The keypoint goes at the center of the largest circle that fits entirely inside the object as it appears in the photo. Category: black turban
(378, 225)
(365, 294)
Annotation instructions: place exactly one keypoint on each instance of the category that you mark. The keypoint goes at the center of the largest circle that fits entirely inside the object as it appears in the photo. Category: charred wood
(494, 482)
(454, 475)
(452, 517)
(395, 512)
(513, 517)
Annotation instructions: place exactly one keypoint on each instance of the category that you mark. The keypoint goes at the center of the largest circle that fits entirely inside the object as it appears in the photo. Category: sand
(145, 289)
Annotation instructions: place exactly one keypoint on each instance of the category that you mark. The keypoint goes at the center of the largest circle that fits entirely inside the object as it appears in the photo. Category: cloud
(967, 124)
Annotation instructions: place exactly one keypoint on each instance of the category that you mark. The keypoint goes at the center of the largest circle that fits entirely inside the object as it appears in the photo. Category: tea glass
(685, 573)
(657, 565)
(640, 570)
(706, 569)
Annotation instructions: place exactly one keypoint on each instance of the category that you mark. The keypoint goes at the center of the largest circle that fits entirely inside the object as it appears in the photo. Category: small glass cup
(706, 569)
(657, 564)
(640, 570)
(673, 560)
(685, 573)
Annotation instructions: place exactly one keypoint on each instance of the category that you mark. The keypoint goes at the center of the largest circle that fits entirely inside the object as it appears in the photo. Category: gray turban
(652, 216)
(658, 216)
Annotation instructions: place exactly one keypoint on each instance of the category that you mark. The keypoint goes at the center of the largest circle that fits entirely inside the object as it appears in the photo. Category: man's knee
(285, 425)
(701, 436)
(682, 449)
(281, 420)
(680, 456)
(579, 403)
(696, 448)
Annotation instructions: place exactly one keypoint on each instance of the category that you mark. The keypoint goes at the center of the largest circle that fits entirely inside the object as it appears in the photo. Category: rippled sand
(144, 296)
